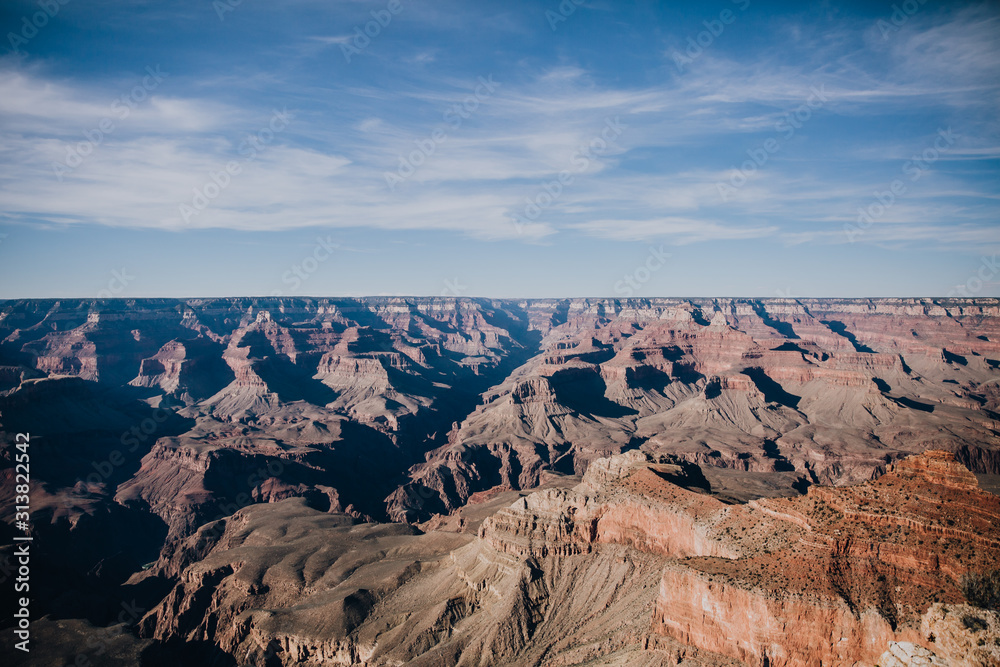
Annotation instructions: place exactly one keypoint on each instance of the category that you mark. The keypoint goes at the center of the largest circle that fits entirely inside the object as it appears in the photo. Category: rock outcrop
(862, 570)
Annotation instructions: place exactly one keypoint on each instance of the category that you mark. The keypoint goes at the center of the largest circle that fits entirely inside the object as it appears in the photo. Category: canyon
(461, 481)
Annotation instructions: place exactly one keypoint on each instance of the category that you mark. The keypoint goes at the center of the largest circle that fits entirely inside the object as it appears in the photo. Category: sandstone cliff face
(865, 572)
(788, 630)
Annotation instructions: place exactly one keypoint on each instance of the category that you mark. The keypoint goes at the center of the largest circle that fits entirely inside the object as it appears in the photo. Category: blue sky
(506, 149)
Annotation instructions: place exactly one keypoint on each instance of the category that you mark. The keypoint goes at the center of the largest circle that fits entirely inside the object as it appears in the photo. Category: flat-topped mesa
(604, 472)
(238, 359)
(536, 390)
(162, 369)
(335, 369)
(542, 524)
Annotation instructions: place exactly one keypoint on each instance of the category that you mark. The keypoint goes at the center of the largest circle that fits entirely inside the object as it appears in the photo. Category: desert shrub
(982, 590)
(974, 623)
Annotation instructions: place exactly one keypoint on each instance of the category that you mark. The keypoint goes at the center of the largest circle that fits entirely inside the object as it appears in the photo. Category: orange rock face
(833, 577)
(794, 629)
(870, 563)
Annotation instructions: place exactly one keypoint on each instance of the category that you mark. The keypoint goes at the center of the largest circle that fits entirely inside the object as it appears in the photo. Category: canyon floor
(452, 481)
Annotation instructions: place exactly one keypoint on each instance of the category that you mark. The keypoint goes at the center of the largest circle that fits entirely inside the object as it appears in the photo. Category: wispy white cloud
(677, 230)
(332, 39)
(32, 103)
(657, 178)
